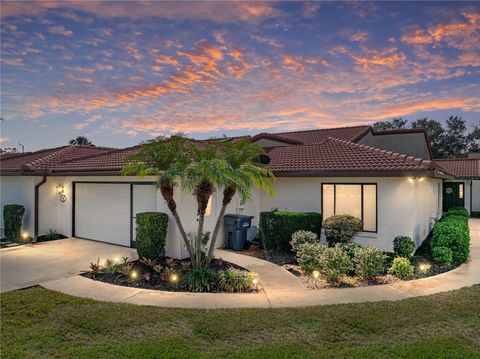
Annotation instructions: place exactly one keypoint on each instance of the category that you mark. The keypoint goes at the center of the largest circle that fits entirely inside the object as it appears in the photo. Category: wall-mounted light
(61, 193)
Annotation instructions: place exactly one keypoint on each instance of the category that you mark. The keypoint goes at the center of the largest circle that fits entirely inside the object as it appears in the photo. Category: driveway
(37, 263)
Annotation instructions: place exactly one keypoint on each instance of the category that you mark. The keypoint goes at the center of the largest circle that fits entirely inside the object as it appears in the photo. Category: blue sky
(123, 72)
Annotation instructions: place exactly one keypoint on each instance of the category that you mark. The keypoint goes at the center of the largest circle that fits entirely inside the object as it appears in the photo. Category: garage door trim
(131, 183)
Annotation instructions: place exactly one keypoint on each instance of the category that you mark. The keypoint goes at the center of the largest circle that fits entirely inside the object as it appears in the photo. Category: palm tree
(245, 172)
(80, 141)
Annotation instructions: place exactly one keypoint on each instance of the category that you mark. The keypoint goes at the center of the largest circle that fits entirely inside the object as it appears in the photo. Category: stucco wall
(476, 196)
(409, 143)
(405, 206)
(19, 190)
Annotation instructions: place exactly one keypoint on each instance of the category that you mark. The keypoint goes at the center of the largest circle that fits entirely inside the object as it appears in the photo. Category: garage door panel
(102, 212)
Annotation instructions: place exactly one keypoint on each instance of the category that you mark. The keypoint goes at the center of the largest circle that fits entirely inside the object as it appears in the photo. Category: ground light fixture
(133, 274)
(25, 235)
(174, 278)
(424, 267)
(315, 274)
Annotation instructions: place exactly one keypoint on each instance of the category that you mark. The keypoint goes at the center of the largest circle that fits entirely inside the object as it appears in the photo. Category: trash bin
(236, 227)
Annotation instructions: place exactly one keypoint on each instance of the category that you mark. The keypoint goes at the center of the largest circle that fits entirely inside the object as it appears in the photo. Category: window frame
(361, 201)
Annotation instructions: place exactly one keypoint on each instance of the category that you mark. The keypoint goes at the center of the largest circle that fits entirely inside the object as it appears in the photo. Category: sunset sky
(123, 72)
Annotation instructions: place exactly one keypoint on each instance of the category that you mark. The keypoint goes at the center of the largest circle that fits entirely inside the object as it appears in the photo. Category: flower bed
(173, 275)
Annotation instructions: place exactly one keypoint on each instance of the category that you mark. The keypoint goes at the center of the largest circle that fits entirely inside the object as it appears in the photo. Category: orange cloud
(388, 57)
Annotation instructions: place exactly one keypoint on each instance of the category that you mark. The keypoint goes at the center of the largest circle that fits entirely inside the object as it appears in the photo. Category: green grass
(38, 323)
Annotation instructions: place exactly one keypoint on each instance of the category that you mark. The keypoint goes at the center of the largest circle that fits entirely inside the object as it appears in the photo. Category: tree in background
(446, 142)
(80, 141)
(395, 124)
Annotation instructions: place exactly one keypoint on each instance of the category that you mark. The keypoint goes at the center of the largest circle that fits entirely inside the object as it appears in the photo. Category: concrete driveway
(37, 263)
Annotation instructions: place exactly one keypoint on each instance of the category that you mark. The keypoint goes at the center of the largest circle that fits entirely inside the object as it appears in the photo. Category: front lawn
(38, 323)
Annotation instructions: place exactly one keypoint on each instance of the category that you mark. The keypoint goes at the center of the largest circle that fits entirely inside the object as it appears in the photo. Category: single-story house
(388, 179)
(464, 190)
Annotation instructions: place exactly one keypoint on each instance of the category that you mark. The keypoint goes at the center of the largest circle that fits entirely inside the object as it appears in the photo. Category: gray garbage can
(236, 227)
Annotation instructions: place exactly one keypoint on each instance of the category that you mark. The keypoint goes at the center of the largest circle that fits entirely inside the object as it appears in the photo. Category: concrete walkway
(279, 287)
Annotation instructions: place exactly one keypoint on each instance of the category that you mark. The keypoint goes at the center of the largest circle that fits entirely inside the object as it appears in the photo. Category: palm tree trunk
(167, 193)
(203, 193)
(228, 194)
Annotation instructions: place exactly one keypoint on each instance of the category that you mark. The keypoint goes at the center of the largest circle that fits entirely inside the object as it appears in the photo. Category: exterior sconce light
(61, 193)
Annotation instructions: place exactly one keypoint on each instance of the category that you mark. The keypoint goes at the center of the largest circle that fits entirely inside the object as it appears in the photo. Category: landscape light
(316, 274)
(116, 260)
(174, 278)
(424, 267)
(25, 235)
(133, 274)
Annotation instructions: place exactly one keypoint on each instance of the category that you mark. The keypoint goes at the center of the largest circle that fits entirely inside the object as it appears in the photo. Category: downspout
(37, 188)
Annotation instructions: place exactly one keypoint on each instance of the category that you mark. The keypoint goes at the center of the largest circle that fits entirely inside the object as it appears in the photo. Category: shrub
(341, 228)
(151, 234)
(369, 262)
(334, 263)
(442, 255)
(350, 248)
(302, 237)
(51, 234)
(457, 211)
(453, 235)
(309, 256)
(277, 227)
(200, 279)
(453, 218)
(234, 280)
(401, 268)
(12, 219)
(403, 246)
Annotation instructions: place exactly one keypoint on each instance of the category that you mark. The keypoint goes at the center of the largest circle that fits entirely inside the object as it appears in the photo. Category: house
(388, 179)
(464, 190)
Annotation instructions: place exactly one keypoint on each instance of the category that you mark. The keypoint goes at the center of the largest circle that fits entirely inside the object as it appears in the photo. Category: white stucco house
(388, 179)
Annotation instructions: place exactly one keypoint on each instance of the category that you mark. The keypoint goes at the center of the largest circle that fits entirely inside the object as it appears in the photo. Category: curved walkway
(280, 288)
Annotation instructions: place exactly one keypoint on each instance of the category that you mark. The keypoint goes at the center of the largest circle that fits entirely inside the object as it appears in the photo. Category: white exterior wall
(19, 190)
(405, 207)
(476, 195)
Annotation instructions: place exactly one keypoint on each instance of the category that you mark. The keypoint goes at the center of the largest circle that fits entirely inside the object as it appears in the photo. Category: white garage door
(102, 212)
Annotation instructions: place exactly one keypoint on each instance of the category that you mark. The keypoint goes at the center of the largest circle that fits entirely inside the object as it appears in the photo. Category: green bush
(234, 280)
(341, 228)
(334, 263)
(401, 268)
(453, 235)
(442, 255)
(369, 262)
(457, 211)
(302, 237)
(350, 248)
(403, 246)
(309, 256)
(277, 228)
(453, 218)
(12, 220)
(200, 279)
(151, 233)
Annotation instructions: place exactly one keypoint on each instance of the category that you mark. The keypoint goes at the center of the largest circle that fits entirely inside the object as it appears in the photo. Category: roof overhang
(426, 173)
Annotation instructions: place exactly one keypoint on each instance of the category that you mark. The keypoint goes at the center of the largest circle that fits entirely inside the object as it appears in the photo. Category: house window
(209, 210)
(460, 190)
(358, 200)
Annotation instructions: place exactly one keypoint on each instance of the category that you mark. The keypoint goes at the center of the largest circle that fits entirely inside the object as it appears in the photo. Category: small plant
(403, 246)
(234, 280)
(95, 268)
(124, 269)
(148, 262)
(302, 237)
(401, 268)
(200, 279)
(453, 235)
(341, 228)
(442, 255)
(51, 234)
(309, 255)
(369, 262)
(334, 263)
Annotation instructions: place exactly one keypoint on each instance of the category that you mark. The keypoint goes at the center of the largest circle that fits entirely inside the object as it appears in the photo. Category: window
(460, 190)
(358, 200)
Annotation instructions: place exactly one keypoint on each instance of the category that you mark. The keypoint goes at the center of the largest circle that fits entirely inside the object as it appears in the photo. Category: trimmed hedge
(403, 246)
(276, 228)
(151, 233)
(12, 219)
(457, 211)
(452, 234)
(341, 228)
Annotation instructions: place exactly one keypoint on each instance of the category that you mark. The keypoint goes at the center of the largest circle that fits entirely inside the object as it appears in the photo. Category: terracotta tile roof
(111, 161)
(335, 157)
(48, 158)
(309, 137)
(275, 137)
(462, 167)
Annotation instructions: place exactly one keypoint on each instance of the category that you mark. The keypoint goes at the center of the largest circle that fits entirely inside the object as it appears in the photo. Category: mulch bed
(148, 278)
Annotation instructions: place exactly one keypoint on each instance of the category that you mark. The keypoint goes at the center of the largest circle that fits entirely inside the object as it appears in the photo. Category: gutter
(37, 188)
